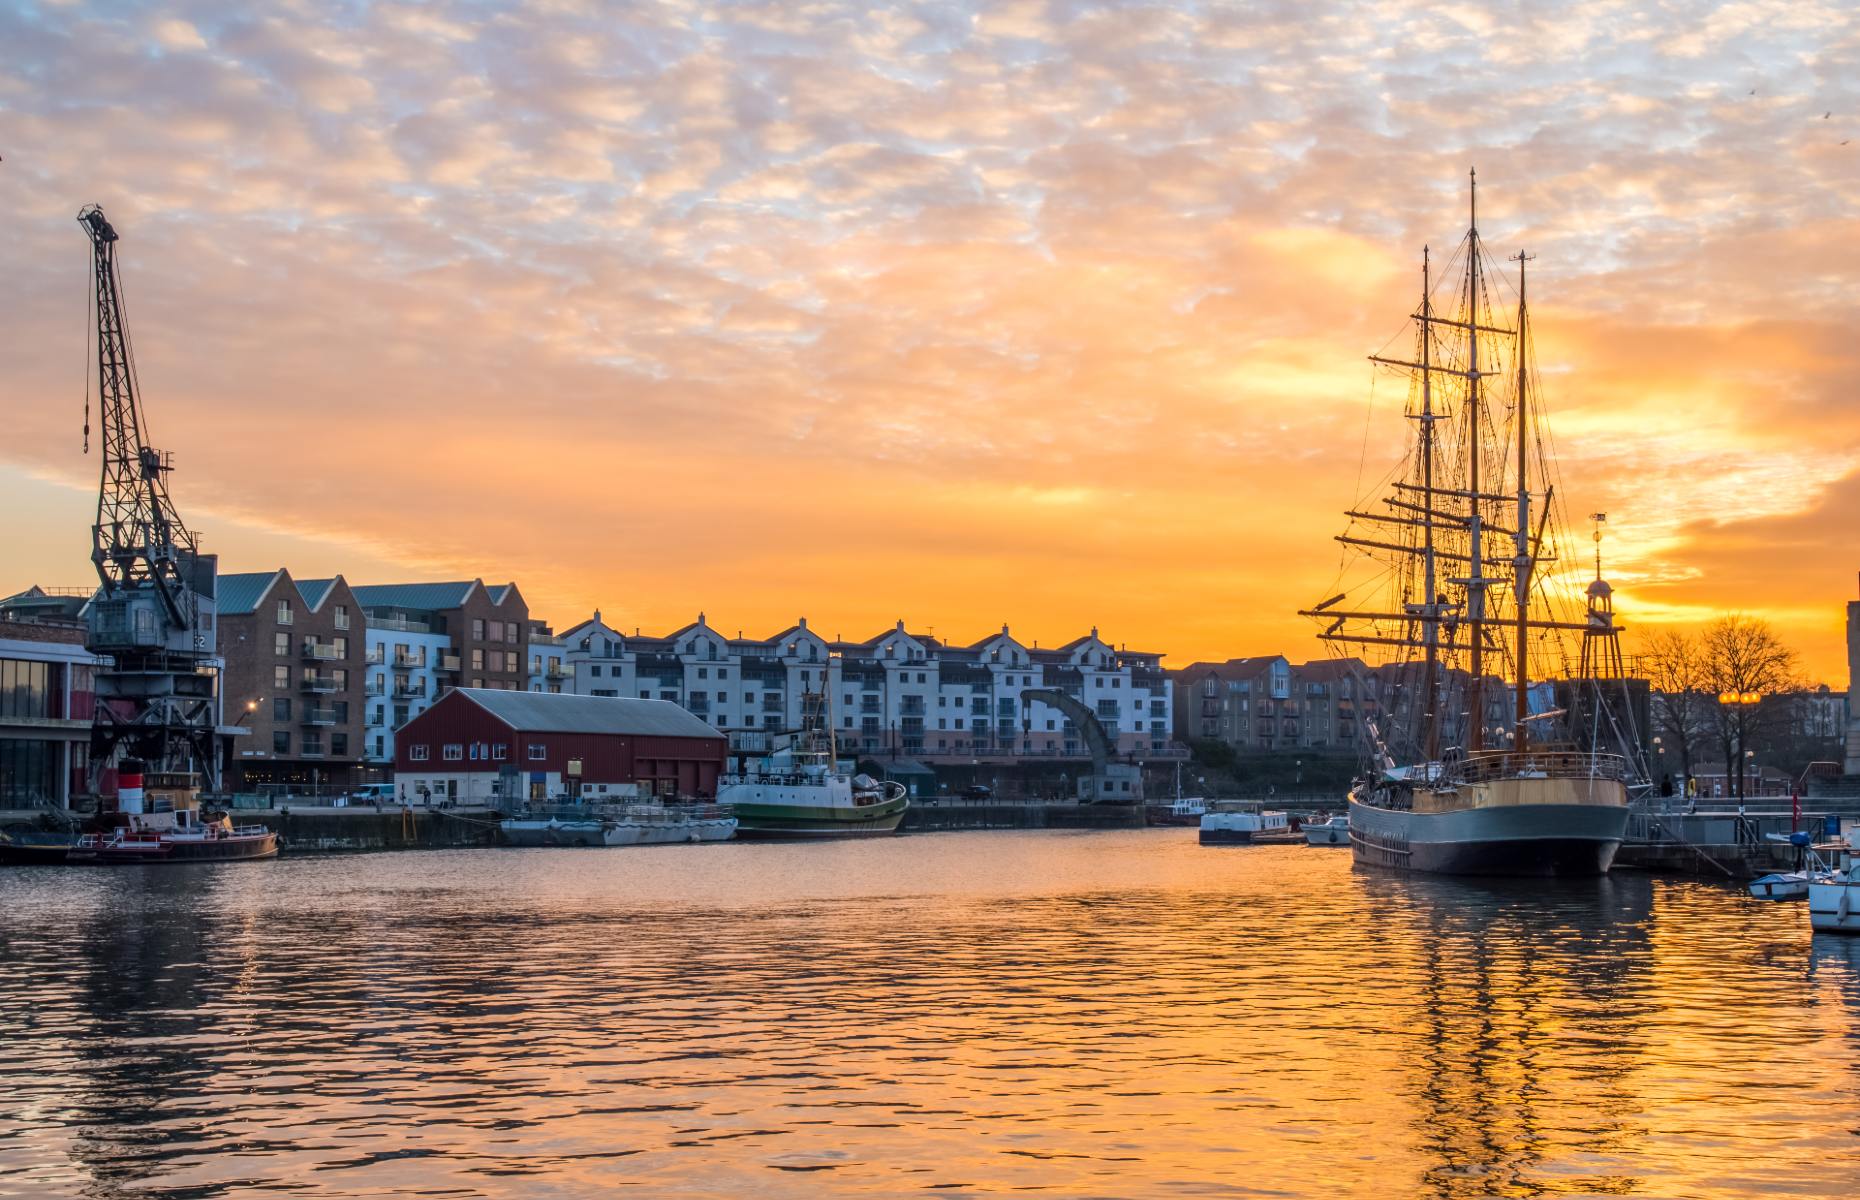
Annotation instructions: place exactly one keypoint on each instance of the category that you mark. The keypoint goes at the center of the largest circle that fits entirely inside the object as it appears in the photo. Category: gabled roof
(315, 591)
(243, 593)
(553, 712)
(423, 597)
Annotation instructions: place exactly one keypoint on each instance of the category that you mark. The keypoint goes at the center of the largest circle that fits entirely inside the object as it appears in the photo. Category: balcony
(410, 687)
(376, 686)
(449, 662)
(557, 670)
(321, 652)
(374, 656)
(313, 750)
(319, 716)
(412, 662)
(318, 683)
(399, 624)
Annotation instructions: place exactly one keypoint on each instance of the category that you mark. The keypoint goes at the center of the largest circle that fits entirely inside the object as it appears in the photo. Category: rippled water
(1073, 1014)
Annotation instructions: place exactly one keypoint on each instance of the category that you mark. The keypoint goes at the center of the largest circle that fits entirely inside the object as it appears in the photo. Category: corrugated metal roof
(427, 597)
(551, 712)
(241, 593)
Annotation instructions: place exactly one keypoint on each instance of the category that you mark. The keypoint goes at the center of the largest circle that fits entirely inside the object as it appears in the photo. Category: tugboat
(162, 823)
(800, 792)
(1460, 586)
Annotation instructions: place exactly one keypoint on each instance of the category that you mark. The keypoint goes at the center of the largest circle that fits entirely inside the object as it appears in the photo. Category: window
(536, 664)
(341, 710)
(285, 615)
(510, 633)
(477, 629)
(497, 631)
(342, 616)
(342, 647)
(510, 661)
(477, 660)
(723, 672)
(645, 695)
(339, 743)
(280, 677)
(281, 708)
(281, 742)
(341, 677)
(453, 752)
(703, 672)
(595, 670)
(538, 751)
(281, 645)
(416, 753)
(500, 752)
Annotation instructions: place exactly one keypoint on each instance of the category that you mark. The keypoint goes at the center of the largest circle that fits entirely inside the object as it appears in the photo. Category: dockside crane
(151, 622)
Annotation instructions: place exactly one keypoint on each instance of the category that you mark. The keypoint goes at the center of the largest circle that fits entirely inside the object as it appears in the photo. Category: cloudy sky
(1044, 313)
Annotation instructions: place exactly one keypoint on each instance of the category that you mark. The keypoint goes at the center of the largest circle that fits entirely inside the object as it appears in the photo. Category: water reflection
(1092, 1014)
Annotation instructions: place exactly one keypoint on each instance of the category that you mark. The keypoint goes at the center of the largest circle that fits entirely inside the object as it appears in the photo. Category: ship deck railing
(1532, 764)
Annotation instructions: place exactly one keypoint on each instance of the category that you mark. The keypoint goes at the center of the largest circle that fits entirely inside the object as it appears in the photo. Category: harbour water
(1044, 1012)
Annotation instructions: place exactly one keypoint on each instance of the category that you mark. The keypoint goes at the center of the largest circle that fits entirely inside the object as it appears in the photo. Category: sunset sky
(1049, 314)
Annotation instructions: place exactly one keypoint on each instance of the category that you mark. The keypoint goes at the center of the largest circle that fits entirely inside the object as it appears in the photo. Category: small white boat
(1334, 832)
(1790, 886)
(626, 825)
(1834, 902)
(1243, 826)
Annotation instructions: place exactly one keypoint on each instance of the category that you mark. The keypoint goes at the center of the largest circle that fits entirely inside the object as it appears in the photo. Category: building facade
(294, 678)
(46, 705)
(426, 638)
(896, 693)
(548, 668)
(485, 747)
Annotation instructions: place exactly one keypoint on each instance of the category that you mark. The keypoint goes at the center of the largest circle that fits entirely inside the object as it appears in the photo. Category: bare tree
(1683, 700)
(1743, 662)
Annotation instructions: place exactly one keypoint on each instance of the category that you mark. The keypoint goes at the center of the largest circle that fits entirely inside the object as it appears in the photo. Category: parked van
(374, 793)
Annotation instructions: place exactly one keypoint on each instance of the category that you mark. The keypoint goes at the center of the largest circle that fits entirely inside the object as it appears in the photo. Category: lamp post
(1740, 702)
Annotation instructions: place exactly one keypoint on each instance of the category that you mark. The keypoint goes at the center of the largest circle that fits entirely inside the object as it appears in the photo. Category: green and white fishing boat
(801, 792)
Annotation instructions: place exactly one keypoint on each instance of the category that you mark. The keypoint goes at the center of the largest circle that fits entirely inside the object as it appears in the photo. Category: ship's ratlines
(1454, 596)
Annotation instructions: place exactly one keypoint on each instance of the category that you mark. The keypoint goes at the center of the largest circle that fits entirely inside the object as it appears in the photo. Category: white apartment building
(548, 672)
(404, 659)
(897, 692)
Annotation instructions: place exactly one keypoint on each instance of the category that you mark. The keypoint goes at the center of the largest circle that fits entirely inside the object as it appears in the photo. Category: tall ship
(1452, 585)
(800, 792)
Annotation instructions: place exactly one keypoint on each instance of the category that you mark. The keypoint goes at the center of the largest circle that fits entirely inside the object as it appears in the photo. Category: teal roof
(241, 593)
(423, 597)
(314, 591)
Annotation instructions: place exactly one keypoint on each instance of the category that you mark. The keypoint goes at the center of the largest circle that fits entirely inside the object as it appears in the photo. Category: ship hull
(765, 822)
(1523, 840)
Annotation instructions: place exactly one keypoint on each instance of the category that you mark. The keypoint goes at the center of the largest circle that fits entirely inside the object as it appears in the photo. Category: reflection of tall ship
(800, 792)
(1461, 591)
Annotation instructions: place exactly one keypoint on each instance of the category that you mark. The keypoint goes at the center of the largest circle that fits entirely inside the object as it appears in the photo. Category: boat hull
(35, 850)
(180, 850)
(1326, 835)
(1780, 887)
(617, 832)
(765, 822)
(1514, 839)
(1834, 907)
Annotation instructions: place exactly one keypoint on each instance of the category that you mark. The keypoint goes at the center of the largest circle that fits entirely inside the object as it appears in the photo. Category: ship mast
(1430, 676)
(1523, 563)
(1475, 583)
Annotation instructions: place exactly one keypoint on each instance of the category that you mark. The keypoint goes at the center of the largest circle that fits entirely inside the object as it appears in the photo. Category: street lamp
(1740, 701)
(251, 706)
